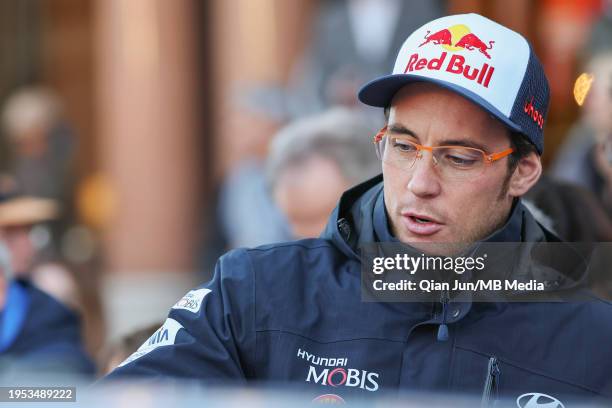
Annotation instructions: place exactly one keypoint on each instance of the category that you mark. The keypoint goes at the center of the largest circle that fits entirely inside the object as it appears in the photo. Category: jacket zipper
(443, 327)
(491, 386)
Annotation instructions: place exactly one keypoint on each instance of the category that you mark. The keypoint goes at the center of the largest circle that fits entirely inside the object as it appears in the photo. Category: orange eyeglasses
(453, 162)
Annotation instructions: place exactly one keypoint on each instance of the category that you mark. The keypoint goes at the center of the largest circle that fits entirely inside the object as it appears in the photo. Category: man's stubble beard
(503, 203)
(500, 218)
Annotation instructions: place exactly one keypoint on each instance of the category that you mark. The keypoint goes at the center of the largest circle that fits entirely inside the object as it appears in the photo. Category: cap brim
(380, 92)
(22, 211)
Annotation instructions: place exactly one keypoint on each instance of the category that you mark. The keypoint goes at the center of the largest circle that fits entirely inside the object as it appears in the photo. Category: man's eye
(461, 161)
(403, 146)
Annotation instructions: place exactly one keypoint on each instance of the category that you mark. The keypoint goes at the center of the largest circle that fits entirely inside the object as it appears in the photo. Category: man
(41, 141)
(18, 215)
(467, 104)
(313, 161)
(38, 335)
(586, 156)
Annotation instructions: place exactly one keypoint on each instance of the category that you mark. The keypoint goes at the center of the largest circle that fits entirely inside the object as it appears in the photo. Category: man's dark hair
(522, 148)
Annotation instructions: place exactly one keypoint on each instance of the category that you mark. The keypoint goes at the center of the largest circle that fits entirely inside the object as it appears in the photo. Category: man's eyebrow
(463, 142)
(401, 129)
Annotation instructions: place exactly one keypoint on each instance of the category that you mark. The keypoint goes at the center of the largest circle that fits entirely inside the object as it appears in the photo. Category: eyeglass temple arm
(496, 156)
(380, 135)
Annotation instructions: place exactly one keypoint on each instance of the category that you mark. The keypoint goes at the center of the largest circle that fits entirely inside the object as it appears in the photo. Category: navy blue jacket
(39, 335)
(292, 312)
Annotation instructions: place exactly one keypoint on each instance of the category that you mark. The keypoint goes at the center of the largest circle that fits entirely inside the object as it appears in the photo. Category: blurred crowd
(309, 142)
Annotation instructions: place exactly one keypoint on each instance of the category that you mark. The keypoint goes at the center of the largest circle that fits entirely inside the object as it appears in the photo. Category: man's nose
(425, 181)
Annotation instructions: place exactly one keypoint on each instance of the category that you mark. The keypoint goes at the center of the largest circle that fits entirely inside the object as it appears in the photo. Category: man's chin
(434, 245)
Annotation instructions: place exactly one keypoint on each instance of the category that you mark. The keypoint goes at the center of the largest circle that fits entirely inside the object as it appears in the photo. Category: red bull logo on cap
(456, 38)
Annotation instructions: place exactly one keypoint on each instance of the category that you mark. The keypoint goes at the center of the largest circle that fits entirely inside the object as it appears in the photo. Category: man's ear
(526, 174)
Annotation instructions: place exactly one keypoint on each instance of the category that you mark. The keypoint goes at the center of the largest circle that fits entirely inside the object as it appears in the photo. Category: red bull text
(456, 65)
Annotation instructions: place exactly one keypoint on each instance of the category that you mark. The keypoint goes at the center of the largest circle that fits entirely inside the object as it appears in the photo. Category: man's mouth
(422, 225)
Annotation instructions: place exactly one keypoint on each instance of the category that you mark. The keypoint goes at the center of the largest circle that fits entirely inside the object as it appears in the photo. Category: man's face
(307, 192)
(423, 206)
(18, 241)
(598, 104)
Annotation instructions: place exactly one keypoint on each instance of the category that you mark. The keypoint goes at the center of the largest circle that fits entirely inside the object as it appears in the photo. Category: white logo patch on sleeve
(192, 301)
(164, 336)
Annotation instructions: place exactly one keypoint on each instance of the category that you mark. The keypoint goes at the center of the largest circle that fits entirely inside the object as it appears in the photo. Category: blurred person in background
(246, 214)
(18, 215)
(24, 232)
(42, 153)
(586, 157)
(42, 143)
(352, 40)
(600, 39)
(38, 335)
(563, 32)
(313, 161)
(58, 281)
(569, 210)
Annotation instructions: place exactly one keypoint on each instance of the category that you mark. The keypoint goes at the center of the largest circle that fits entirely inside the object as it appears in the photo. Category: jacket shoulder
(274, 266)
(313, 255)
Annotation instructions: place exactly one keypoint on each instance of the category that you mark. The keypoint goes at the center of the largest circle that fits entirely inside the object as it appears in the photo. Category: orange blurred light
(582, 87)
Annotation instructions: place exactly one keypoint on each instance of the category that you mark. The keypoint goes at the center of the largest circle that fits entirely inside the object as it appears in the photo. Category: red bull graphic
(458, 37)
(439, 37)
(471, 41)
